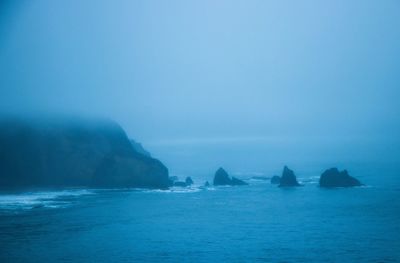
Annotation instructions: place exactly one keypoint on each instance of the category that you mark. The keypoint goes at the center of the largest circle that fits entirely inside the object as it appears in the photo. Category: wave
(40, 199)
(178, 190)
(309, 180)
(251, 173)
(258, 180)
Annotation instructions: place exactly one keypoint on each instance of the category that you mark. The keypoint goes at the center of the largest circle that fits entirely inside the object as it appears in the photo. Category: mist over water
(277, 80)
(309, 156)
(250, 86)
(168, 71)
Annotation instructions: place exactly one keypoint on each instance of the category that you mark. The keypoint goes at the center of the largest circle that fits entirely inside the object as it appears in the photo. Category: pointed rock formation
(221, 177)
(189, 181)
(288, 178)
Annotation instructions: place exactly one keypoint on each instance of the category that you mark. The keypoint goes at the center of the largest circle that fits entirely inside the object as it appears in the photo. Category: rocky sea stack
(188, 182)
(288, 178)
(68, 152)
(335, 178)
(221, 177)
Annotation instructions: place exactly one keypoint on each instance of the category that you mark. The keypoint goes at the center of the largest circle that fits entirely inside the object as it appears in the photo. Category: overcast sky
(182, 70)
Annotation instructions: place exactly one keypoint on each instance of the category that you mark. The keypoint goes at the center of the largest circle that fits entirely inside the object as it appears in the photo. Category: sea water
(258, 222)
(255, 223)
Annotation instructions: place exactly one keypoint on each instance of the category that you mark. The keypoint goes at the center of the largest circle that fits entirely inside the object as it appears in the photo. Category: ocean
(256, 223)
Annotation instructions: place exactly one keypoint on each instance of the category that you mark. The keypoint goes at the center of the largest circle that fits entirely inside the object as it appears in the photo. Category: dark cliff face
(333, 178)
(288, 178)
(71, 152)
(138, 147)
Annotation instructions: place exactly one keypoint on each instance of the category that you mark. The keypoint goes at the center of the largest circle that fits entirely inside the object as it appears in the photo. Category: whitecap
(309, 180)
(177, 190)
(40, 199)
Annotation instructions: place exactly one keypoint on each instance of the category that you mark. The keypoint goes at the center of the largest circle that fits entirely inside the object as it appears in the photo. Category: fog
(189, 73)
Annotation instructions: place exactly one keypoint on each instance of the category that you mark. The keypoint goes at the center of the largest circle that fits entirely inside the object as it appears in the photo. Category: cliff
(138, 147)
(73, 152)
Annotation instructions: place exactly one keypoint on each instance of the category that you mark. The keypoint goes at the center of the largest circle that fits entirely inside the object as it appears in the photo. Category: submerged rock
(335, 178)
(288, 178)
(207, 184)
(221, 177)
(275, 179)
(73, 152)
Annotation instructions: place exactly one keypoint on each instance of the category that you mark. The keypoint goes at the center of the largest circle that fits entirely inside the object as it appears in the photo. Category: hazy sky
(169, 70)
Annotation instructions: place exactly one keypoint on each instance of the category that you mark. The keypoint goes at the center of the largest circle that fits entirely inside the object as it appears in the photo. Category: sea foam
(40, 199)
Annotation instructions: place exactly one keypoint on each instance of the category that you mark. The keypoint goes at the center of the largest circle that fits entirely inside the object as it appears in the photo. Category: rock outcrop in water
(188, 182)
(275, 179)
(221, 177)
(72, 152)
(288, 178)
(334, 178)
(173, 179)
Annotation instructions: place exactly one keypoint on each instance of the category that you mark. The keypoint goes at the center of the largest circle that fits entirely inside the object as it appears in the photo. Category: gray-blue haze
(248, 85)
(312, 73)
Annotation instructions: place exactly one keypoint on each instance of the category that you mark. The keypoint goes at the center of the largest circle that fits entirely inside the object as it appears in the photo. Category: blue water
(255, 223)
